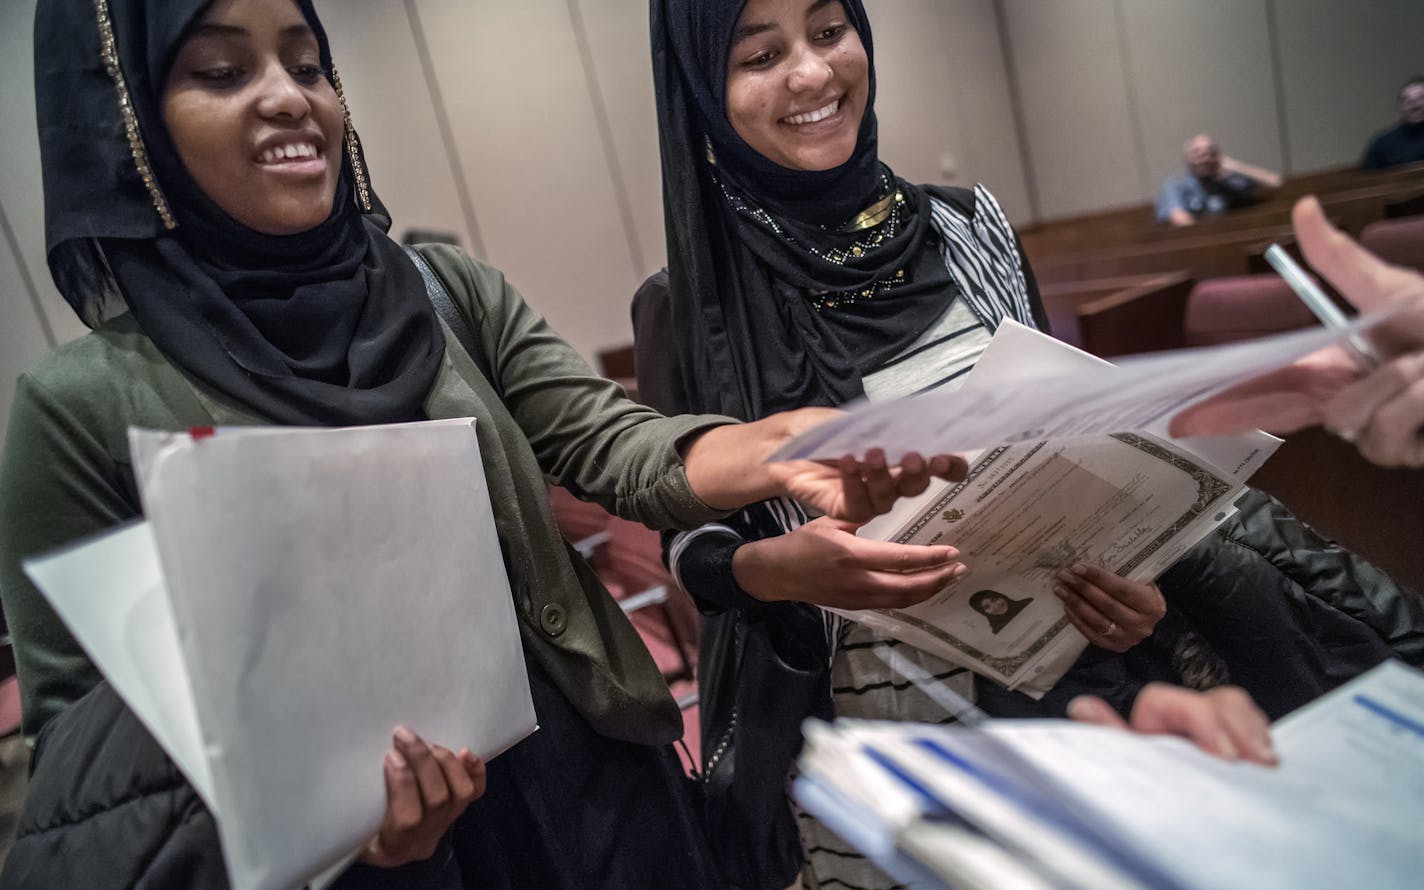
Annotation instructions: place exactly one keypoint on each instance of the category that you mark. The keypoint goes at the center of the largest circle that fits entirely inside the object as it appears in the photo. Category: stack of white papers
(1129, 502)
(1037, 804)
(294, 595)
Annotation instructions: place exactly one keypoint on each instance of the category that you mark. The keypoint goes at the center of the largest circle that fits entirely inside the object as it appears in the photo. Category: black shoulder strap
(447, 309)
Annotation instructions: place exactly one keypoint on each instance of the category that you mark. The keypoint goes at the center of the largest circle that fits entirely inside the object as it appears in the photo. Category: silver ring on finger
(1112, 626)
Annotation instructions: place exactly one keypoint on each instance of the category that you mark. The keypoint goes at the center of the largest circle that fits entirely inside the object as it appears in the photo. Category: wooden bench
(1119, 316)
(1202, 255)
(1135, 223)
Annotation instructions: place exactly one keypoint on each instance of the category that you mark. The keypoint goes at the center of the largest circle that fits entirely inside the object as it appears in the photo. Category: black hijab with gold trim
(326, 327)
(783, 289)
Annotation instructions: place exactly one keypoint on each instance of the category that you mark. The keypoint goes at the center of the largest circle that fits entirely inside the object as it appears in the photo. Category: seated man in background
(1213, 183)
(1402, 143)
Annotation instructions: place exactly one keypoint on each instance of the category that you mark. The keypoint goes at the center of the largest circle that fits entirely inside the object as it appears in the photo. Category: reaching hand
(1222, 721)
(1382, 411)
(726, 467)
(1112, 612)
(1383, 414)
(858, 491)
(427, 788)
(824, 563)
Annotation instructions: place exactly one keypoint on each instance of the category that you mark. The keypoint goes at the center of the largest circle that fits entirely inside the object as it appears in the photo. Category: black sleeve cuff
(705, 569)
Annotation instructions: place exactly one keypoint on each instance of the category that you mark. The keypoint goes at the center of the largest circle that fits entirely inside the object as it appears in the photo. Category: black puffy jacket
(107, 808)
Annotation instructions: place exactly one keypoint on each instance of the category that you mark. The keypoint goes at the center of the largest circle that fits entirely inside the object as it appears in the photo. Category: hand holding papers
(294, 595)
(1066, 805)
(1141, 393)
(1131, 503)
(1383, 412)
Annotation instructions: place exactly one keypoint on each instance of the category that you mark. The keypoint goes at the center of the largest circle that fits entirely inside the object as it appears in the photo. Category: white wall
(22, 336)
(20, 188)
(28, 300)
(1109, 89)
(1069, 66)
(395, 115)
(943, 101)
(1342, 63)
(550, 103)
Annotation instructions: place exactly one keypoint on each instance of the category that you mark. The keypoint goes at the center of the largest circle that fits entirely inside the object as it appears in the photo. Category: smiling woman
(256, 122)
(208, 214)
(803, 271)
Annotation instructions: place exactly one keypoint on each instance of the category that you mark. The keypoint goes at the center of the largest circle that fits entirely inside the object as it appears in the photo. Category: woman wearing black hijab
(209, 214)
(802, 271)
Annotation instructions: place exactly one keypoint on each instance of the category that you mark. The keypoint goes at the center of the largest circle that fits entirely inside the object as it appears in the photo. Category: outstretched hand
(859, 490)
(1223, 721)
(427, 788)
(1382, 411)
(727, 468)
(824, 563)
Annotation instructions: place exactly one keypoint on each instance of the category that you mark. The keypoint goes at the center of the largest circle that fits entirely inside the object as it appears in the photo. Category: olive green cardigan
(541, 412)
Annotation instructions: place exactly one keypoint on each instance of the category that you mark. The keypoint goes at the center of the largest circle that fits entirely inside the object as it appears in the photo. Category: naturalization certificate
(1132, 503)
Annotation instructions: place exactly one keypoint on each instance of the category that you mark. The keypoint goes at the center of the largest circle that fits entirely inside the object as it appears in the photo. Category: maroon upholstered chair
(1398, 241)
(1220, 310)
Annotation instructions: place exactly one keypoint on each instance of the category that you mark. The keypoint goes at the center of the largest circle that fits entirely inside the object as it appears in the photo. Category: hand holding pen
(1369, 391)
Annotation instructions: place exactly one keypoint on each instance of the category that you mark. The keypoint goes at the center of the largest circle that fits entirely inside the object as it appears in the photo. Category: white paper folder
(294, 595)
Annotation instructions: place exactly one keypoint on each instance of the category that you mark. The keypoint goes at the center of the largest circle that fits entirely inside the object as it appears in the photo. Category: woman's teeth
(288, 152)
(811, 117)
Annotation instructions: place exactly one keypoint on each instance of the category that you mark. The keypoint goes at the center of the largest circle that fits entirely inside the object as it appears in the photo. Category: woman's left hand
(1224, 721)
(1112, 612)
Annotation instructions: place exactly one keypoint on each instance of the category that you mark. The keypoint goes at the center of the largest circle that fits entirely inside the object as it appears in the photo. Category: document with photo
(1132, 503)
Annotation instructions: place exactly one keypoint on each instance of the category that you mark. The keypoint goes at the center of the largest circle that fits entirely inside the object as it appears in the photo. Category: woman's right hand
(427, 788)
(824, 563)
(1382, 410)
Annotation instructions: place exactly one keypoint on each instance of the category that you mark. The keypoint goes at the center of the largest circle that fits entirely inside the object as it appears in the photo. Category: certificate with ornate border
(1128, 502)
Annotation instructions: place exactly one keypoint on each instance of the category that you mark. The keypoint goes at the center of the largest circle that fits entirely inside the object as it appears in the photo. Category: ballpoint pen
(1321, 305)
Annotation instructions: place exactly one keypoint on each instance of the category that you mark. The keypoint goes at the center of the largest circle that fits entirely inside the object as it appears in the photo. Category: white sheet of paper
(109, 592)
(1142, 393)
(1321, 823)
(317, 587)
(328, 585)
(1369, 733)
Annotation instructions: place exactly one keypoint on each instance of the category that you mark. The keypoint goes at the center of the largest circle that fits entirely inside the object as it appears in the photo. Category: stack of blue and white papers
(1053, 804)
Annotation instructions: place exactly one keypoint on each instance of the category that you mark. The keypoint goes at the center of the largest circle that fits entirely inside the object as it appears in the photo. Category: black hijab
(776, 301)
(325, 327)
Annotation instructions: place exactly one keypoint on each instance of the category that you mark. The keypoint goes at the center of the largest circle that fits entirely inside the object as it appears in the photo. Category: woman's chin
(287, 220)
(817, 160)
